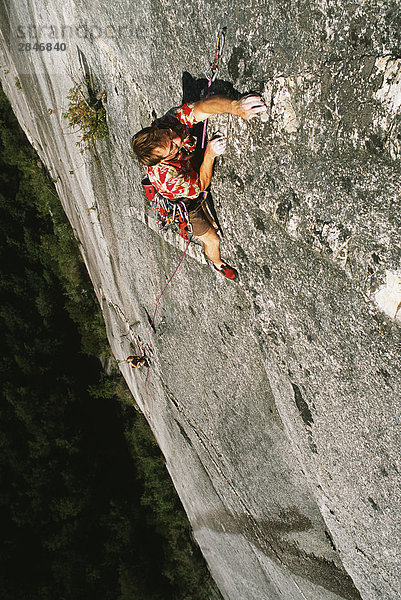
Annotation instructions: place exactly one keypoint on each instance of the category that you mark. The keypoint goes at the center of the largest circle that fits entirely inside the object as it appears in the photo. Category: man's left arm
(247, 107)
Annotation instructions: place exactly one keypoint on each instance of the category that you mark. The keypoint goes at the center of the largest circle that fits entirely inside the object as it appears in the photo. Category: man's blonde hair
(145, 142)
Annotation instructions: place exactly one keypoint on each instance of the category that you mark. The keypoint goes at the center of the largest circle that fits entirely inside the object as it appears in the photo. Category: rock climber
(137, 361)
(167, 149)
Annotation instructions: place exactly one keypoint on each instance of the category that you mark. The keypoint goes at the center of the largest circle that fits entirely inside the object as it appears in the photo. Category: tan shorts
(199, 221)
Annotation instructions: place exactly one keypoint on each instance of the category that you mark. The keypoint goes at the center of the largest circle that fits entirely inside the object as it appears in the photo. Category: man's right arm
(247, 108)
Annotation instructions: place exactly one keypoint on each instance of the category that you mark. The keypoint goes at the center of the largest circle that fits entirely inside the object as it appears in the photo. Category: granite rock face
(275, 400)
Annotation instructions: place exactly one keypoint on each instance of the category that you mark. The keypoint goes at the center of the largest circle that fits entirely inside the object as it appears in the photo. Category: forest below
(87, 508)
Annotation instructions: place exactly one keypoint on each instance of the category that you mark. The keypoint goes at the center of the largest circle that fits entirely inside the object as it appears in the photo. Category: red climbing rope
(160, 297)
(165, 287)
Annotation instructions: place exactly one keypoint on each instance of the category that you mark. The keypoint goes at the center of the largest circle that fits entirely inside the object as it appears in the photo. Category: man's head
(154, 144)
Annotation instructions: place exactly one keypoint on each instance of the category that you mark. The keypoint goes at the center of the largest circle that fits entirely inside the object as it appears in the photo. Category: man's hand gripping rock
(249, 107)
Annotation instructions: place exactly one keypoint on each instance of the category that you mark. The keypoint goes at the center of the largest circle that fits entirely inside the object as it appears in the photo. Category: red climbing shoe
(227, 271)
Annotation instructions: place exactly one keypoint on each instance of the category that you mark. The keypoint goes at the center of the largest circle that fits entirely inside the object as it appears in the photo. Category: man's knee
(210, 238)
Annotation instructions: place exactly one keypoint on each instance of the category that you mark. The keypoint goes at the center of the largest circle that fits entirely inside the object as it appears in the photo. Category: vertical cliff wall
(276, 401)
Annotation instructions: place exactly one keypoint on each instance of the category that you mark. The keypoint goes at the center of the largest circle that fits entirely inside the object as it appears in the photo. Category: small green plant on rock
(86, 111)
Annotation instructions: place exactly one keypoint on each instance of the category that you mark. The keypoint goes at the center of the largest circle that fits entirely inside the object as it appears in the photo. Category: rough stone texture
(276, 401)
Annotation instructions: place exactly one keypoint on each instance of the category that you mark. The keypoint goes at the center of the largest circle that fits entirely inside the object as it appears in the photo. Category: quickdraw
(212, 74)
(221, 38)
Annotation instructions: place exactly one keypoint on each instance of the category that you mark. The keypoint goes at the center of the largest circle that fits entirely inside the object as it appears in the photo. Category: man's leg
(203, 229)
(211, 242)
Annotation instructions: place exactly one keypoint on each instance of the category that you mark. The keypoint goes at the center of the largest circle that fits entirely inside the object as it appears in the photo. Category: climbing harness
(170, 213)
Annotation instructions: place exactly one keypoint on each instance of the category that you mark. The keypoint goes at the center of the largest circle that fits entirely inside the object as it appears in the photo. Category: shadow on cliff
(193, 89)
(269, 537)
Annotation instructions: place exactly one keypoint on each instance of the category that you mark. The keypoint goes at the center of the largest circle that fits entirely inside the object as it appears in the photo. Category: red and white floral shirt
(178, 178)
